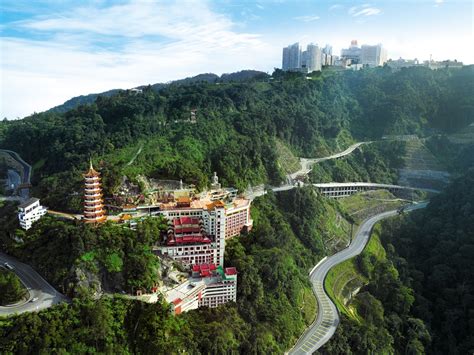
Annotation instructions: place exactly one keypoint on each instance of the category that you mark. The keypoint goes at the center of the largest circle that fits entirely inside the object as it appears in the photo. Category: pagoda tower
(93, 202)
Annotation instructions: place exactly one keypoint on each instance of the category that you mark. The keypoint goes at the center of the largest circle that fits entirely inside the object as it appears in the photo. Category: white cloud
(336, 7)
(307, 18)
(438, 3)
(364, 10)
(260, 6)
(147, 43)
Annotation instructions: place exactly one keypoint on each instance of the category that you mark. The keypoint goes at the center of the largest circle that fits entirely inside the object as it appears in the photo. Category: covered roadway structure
(344, 189)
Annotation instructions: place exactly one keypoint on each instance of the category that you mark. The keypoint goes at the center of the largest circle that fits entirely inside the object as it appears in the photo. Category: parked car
(8, 266)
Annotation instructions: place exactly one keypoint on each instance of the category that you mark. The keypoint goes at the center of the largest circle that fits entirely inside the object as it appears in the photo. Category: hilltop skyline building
(311, 58)
(291, 60)
(373, 56)
(352, 53)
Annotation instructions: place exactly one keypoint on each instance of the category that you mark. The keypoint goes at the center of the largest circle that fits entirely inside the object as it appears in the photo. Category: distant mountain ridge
(242, 75)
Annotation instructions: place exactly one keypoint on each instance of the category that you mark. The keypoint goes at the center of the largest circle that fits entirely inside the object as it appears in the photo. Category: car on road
(34, 299)
(8, 266)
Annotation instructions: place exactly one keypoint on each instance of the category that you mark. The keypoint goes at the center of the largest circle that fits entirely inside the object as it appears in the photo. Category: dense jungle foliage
(434, 251)
(274, 302)
(237, 123)
(78, 258)
(419, 299)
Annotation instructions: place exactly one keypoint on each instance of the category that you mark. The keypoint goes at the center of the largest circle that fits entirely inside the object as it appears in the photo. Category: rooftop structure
(94, 211)
(30, 212)
(209, 285)
(352, 53)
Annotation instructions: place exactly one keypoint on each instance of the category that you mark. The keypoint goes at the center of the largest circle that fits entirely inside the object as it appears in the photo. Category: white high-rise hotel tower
(294, 59)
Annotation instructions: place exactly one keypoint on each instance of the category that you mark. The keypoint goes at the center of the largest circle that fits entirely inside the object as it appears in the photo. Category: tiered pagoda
(93, 201)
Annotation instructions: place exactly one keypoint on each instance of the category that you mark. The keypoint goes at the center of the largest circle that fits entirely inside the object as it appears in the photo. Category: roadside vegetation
(12, 289)
(375, 162)
(288, 162)
(375, 305)
(434, 253)
(362, 205)
(417, 272)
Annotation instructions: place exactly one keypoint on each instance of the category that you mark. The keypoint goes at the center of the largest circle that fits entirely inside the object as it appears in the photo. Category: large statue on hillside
(215, 182)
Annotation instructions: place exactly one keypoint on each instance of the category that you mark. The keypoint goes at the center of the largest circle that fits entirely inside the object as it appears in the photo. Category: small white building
(208, 286)
(29, 212)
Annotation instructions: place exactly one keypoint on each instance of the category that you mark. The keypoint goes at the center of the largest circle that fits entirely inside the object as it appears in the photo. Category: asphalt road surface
(43, 294)
(327, 320)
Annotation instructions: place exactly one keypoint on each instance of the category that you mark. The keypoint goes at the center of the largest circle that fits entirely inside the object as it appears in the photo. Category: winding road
(40, 293)
(327, 320)
(323, 328)
(26, 173)
(306, 163)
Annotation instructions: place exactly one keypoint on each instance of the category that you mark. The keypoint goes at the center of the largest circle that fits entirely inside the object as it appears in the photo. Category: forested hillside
(419, 287)
(237, 124)
(434, 251)
(274, 302)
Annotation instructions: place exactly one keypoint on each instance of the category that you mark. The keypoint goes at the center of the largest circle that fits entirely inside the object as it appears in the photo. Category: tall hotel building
(291, 60)
(373, 56)
(294, 59)
(94, 211)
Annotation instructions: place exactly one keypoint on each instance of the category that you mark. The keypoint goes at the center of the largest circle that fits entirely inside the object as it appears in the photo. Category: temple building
(199, 227)
(94, 211)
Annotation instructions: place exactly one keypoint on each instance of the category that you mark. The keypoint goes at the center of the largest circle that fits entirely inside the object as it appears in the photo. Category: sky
(51, 51)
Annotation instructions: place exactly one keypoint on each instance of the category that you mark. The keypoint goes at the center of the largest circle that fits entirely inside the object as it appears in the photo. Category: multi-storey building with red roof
(209, 286)
(196, 234)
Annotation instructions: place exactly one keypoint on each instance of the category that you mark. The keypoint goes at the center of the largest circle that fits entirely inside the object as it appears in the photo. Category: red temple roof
(204, 269)
(185, 220)
(230, 271)
(188, 239)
